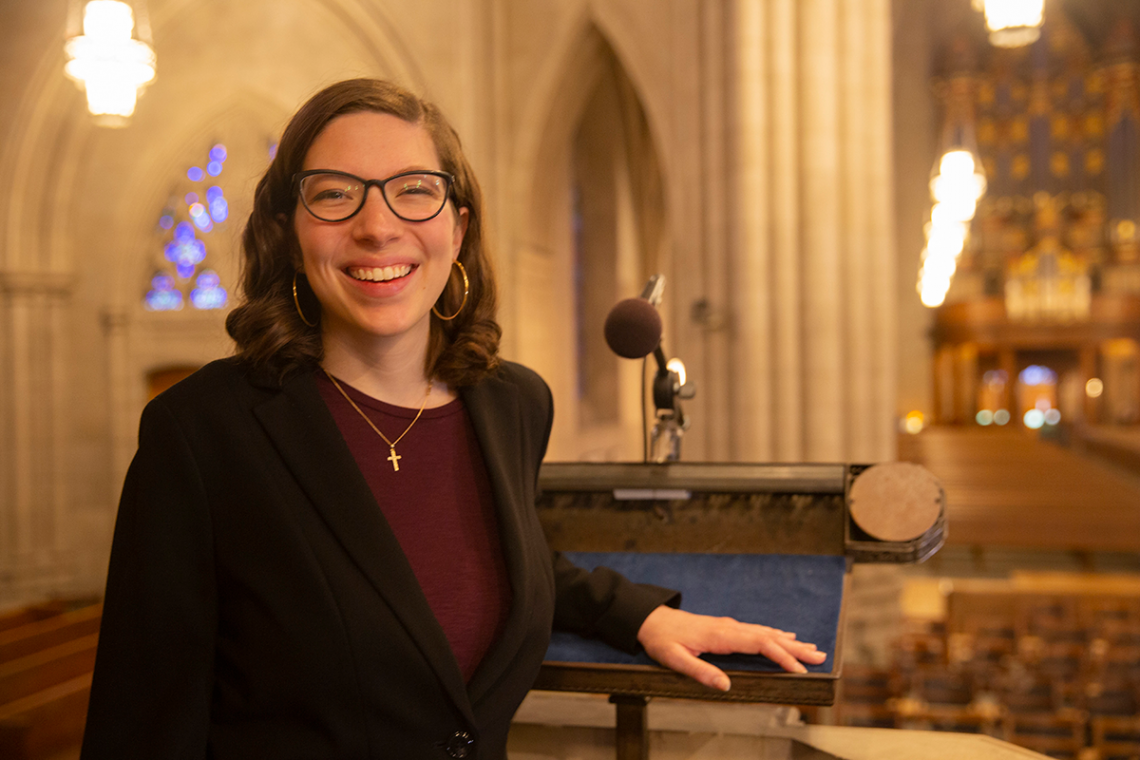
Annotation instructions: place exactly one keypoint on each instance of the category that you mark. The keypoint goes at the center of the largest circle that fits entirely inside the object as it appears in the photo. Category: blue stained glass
(201, 218)
(185, 251)
(183, 233)
(188, 254)
(209, 294)
(209, 279)
(163, 296)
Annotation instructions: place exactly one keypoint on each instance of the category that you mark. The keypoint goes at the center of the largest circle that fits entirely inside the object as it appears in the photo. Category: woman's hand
(675, 638)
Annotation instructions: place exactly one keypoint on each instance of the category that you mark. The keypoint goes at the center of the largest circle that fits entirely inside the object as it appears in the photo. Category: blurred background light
(108, 63)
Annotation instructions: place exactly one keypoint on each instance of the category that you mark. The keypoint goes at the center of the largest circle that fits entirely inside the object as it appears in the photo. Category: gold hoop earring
(466, 288)
(297, 303)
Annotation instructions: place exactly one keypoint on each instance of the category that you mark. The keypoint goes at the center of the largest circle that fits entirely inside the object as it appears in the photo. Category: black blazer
(259, 606)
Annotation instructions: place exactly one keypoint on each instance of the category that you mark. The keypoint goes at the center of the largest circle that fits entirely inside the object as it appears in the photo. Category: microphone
(633, 328)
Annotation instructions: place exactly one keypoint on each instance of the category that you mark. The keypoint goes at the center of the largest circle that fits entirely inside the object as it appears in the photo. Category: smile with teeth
(379, 274)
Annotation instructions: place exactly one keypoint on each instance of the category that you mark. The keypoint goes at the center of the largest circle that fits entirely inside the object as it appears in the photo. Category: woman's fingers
(675, 639)
(683, 661)
(789, 657)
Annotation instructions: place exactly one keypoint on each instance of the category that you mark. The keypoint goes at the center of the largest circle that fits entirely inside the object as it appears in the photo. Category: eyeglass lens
(412, 197)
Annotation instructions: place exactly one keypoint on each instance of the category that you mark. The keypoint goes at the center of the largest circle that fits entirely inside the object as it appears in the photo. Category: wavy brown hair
(266, 326)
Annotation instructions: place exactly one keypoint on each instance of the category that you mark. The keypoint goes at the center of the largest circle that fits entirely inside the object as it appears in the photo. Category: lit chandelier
(108, 62)
(956, 189)
(1012, 23)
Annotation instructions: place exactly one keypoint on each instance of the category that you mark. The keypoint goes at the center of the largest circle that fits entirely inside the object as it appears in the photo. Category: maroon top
(440, 506)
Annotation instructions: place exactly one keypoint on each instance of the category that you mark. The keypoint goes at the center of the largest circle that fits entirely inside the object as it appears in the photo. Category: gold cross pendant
(394, 458)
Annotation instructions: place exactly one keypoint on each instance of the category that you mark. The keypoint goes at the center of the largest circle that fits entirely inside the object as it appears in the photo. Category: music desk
(762, 543)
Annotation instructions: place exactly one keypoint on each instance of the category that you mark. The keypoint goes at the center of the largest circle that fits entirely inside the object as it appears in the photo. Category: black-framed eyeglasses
(333, 196)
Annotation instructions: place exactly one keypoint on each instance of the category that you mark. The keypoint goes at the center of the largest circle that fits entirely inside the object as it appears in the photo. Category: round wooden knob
(895, 501)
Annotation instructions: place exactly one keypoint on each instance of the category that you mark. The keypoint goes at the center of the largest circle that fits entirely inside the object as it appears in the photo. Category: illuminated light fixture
(959, 185)
(1012, 23)
(956, 189)
(914, 422)
(108, 62)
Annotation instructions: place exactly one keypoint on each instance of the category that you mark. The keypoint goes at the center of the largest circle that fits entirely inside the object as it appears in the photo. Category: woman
(326, 545)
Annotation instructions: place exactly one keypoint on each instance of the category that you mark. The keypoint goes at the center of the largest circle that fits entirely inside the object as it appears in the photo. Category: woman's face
(376, 275)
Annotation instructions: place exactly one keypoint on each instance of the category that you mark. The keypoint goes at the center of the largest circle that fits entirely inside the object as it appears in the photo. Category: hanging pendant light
(1013, 23)
(110, 64)
(956, 186)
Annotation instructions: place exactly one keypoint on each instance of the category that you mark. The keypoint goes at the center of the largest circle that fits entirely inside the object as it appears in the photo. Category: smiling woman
(327, 545)
(376, 272)
(267, 326)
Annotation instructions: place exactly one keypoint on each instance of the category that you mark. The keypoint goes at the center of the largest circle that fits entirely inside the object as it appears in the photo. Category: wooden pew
(864, 694)
(45, 723)
(1058, 734)
(24, 615)
(46, 658)
(1116, 737)
(1004, 487)
(53, 665)
(40, 634)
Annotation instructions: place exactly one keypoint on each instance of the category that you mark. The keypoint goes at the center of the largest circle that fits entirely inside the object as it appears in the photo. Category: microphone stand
(671, 424)
(669, 387)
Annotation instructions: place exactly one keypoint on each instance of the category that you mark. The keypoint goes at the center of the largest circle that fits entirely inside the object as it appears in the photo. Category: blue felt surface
(794, 592)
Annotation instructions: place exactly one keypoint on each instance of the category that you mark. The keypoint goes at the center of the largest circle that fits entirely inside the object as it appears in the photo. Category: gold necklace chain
(393, 457)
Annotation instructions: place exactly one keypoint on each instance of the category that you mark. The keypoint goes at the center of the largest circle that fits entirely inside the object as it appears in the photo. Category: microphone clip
(670, 386)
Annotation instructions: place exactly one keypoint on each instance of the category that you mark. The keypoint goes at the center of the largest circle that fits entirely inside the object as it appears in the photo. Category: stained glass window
(209, 294)
(185, 225)
(163, 296)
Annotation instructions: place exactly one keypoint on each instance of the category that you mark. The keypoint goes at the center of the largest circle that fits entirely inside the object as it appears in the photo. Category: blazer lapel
(494, 410)
(305, 435)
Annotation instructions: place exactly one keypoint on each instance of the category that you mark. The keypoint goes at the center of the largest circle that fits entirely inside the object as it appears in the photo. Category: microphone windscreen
(633, 328)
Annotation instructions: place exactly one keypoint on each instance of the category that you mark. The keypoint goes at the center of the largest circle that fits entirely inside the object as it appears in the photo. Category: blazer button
(460, 745)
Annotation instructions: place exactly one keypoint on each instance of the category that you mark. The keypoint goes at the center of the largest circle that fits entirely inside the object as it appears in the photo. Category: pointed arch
(589, 197)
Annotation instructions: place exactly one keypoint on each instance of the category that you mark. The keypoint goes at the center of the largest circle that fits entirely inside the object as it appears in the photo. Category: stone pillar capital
(30, 282)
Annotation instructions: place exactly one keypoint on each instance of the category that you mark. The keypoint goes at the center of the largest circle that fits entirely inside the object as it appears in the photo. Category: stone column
(712, 335)
(824, 247)
(751, 288)
(812, 251)
(880, 441)
(120, 383)
(33, 434)
(786, 274)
